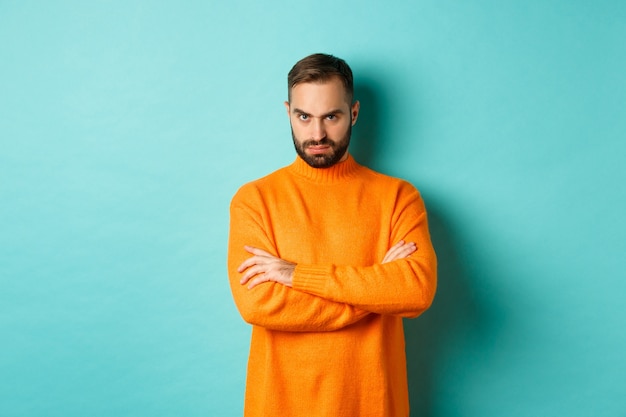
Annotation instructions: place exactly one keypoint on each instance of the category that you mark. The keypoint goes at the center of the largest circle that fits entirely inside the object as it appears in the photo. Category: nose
(318, 130)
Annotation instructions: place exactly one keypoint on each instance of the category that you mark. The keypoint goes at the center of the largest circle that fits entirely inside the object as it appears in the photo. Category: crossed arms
(280, 294)
(265, 267)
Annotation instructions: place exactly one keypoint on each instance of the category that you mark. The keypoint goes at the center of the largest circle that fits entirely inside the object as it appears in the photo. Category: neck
(342, 170)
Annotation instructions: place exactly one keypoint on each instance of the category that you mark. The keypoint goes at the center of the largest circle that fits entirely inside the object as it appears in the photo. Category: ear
(355, 111)
(287, 107)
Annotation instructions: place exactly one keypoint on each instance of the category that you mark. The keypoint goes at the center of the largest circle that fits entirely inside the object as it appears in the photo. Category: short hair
(321, 68)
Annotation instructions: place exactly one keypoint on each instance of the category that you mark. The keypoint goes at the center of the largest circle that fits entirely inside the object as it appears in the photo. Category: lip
(318, 149)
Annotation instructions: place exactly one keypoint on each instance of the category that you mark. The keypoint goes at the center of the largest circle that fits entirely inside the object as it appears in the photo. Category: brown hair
(321, 68)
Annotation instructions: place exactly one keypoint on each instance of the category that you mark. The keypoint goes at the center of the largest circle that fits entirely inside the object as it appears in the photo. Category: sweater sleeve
(272, 305)
(404, 287)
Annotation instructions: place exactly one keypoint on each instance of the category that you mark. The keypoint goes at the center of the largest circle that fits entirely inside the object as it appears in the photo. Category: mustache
(321, 142)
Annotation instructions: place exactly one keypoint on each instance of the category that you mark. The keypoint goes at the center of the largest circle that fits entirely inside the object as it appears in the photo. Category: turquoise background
(126, 127)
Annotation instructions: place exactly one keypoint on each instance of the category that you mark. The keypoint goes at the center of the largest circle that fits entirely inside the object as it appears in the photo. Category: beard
(338, 149)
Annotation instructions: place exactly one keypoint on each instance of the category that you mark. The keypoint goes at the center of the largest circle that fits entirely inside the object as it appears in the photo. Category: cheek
(338, 131)
(298, 131)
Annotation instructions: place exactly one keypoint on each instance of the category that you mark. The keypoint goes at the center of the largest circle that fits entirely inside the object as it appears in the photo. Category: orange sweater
(333, 345)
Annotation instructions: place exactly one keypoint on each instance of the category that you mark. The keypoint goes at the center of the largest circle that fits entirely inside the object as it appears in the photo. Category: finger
(258, 279)
(396, 246)
(251, 272)
(400, 252)
(405, 250)
(248, 263)
(256, 251)
(260, 256)
(391, 251)
(407, 247)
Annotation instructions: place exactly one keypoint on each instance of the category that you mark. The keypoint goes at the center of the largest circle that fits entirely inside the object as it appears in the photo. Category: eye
(331, 117)
(303, 116)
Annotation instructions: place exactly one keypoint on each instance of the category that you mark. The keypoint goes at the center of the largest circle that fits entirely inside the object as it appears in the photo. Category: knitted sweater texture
(333, 344)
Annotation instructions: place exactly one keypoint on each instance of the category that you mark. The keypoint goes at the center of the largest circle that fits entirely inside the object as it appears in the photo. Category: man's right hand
(400, 250)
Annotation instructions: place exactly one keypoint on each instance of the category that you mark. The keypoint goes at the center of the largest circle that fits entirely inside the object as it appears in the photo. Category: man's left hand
(264, 267)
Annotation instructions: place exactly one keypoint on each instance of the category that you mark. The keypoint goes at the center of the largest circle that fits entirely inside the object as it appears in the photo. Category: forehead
(319, 96)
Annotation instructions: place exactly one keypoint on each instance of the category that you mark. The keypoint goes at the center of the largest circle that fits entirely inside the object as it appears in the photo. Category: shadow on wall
(457, 318)
(366, 132)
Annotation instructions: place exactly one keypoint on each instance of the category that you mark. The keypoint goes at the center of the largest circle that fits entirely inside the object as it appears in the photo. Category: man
(325, 257)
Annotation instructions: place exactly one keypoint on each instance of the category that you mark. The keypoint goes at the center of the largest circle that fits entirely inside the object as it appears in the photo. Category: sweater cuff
(311, 279)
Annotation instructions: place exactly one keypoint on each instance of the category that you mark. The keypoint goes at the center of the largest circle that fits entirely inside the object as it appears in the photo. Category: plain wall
(126, 127)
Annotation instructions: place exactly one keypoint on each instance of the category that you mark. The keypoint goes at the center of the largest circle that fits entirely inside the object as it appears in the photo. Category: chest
(330, 225)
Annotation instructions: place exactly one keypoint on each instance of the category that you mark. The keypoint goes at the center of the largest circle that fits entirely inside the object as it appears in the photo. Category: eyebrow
(332, 112)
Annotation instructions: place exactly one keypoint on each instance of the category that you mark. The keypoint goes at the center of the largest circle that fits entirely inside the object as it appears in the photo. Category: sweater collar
(336, 173)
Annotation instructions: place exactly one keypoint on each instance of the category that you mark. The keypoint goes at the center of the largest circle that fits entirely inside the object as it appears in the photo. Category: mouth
(318, 149)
